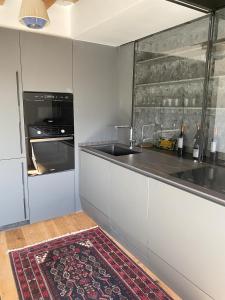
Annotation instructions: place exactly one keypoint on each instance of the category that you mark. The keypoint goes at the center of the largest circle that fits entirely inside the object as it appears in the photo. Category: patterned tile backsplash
(169, 82)
(176, 39)
(165, 122)
(170, 73)
(169, 69)
(179, 94)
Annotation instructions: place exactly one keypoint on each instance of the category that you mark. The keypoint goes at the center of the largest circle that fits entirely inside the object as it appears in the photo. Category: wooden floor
(31, 234)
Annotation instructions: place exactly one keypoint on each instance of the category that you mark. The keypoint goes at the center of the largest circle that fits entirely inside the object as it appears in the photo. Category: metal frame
(133, 83)
(198, 7)
(192, 6)
(208, 68)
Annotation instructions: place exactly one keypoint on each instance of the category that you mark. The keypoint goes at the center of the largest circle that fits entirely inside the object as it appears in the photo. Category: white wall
(102, 79)
(95, 91)
(125, 88)
(95, 95)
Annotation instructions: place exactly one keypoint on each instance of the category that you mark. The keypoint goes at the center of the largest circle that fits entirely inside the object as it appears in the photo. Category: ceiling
(108, 22)
(205, 4)
(116, 22)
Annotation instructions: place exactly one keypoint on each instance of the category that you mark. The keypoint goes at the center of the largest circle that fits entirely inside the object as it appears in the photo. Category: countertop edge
(157, 177)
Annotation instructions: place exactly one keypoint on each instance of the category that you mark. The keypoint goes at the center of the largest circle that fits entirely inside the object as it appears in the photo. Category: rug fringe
(49, 240)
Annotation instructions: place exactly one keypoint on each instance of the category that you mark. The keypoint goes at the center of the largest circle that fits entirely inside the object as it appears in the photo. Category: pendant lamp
(33, 14)
(66, 2)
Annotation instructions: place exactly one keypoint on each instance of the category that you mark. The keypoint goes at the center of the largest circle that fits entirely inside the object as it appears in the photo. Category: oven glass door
(48, 112)
(50, 155)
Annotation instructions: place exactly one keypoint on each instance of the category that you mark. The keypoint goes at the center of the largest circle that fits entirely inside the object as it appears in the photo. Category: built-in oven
(49, 128)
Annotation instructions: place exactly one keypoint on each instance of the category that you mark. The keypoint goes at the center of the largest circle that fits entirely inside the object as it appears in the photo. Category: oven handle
(60, 139)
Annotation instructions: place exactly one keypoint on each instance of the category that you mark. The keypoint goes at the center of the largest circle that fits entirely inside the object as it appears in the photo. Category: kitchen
(72, 101)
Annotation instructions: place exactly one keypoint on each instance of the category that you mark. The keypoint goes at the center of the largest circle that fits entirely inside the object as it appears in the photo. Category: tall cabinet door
(47, 63)
(10, 127)
(12, 189)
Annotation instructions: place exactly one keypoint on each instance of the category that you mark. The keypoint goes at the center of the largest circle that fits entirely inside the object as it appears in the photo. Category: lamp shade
(33, 14)
(66, 2)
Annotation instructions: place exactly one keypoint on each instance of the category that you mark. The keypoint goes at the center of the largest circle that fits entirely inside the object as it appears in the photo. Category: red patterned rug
(80, 266)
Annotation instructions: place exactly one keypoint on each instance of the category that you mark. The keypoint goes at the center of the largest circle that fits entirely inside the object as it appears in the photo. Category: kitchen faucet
(131, 138)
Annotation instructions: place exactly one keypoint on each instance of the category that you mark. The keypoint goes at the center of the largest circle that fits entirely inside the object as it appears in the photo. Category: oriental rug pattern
(83, 266)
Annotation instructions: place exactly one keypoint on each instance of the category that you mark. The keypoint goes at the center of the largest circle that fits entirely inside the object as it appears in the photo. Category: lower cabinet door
(95, 181)
(129, 206)
(12, 195)
(188, 232)
(51, 195)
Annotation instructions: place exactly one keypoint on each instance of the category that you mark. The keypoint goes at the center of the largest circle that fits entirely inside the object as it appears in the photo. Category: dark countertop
(160, 166)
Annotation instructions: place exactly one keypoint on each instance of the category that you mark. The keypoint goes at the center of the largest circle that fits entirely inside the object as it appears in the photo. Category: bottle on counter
(213, 146)
(180, 142)
(196, 145)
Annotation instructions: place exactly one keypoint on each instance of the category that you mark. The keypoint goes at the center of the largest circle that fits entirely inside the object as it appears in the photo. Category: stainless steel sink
(115, 150)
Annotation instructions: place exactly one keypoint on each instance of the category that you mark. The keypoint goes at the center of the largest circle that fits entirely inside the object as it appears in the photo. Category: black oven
(49, 128)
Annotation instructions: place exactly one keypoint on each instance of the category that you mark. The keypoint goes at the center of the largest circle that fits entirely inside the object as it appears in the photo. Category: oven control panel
(45, 96)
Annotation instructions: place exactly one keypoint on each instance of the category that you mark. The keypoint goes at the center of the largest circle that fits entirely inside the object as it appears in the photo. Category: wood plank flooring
(35, 233)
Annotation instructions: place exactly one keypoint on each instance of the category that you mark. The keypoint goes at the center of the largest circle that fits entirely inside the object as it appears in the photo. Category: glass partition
(168, 84)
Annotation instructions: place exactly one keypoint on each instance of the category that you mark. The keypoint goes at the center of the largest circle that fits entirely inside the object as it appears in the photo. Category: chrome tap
(131, 137)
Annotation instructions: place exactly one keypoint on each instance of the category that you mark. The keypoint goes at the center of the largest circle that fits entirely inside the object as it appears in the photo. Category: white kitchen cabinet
(117, 193)
(95, 181)
(10, 84)
(188, 233)
(12, 191)
(129, 205)
(180, 236)
(51, 195)
(47, 63)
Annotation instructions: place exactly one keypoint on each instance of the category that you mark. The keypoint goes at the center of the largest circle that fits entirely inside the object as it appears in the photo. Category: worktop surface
(164, 167)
